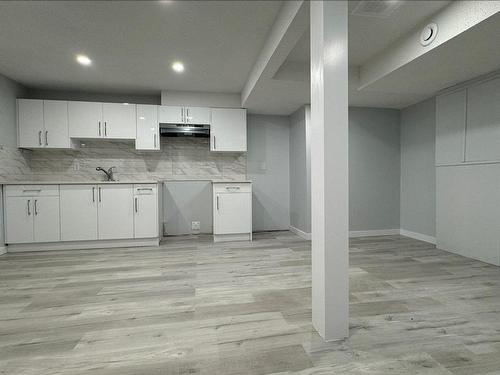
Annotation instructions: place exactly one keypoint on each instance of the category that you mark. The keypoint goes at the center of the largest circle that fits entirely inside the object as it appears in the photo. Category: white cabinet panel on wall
(148, 137)
(85, 120)
(119, 120)
(171, 114)
(483, 121)
(450, 128)
(145, 211)
(78, 212)
(56, 126)
(115, 211)
(228, 130)
(468, 211)
(30, 123)
(197, 115)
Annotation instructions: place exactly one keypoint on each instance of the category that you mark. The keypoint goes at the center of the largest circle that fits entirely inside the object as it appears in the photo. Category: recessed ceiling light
(83, 60)
(178, 67)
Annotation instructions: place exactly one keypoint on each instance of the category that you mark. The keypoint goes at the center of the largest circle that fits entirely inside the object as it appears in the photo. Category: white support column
(329, 169)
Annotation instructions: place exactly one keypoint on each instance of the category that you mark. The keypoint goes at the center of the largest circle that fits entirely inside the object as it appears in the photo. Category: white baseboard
(418, 236)
(232, 237)
(83, 245)
(300, 233)
(3, 250)
(370, 233)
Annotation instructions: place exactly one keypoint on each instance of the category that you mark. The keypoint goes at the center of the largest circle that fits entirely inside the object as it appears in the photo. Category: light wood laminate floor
(195, 307)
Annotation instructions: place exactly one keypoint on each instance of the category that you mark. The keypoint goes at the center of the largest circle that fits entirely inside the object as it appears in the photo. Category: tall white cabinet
(232, 210)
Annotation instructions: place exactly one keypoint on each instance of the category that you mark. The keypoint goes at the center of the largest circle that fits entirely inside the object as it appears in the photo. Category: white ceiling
(133, 43)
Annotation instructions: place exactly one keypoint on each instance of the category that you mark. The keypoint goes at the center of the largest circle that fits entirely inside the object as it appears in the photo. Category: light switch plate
(195, 226)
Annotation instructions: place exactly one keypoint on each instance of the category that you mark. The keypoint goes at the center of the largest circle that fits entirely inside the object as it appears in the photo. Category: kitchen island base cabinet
(232, 207)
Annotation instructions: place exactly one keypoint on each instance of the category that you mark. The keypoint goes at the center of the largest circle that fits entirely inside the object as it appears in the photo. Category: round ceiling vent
(428, 34)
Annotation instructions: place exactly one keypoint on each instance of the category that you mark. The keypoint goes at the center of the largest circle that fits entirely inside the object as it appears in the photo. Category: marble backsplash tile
(179, 158)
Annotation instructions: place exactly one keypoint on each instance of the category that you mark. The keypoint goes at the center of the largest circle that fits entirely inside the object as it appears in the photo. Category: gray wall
(268, 168)
(418, 177)
(374, 169)
(9, 91)
(300, 170)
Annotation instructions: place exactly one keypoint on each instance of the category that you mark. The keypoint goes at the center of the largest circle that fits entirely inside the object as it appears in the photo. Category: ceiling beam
(453, 20)
(290, 24)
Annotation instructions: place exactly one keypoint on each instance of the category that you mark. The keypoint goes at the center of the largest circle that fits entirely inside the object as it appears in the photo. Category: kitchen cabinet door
(46, 219)
(18, 220)
(228, 130)
(56, 129)
(233, 213)
(115, 211)
(85, 120)
(147, 128)
(30, 123)
(171, 114)
(197, 115)
(119, 120)
(145, 212)
(78, 212)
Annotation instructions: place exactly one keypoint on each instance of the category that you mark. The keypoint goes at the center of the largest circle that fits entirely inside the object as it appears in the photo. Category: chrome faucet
(108, 173)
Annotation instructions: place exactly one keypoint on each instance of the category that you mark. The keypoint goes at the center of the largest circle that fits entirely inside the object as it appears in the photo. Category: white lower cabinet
(78, 212)
(31, 215)
(145, 211)
(115, 212)
(232, 207)
(86, 212)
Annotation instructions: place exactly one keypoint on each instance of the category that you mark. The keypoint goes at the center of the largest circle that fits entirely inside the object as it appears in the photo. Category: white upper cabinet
(85, 120)
(101, 120)
(483, 121)
(148, 137)
(450, 128)
(119, 120)
(184, 115)
(197, 115)
(171, 114)
(42, 123)
(56, 133)
(228, 130)
(30, 123)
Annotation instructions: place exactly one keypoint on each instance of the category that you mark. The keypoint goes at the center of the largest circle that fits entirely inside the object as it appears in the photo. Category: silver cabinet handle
(36, 211)
(99, 193)
(136, 205)
(232, 188)
(154, 140)
(182, 115)
(40, 138)
(27, 190)
(29, 211)
(217, 202)
(99, 128)
(145, 188)
(105, 128)
(46, 137)
(93, 194)
(187, 115)
(215, 143)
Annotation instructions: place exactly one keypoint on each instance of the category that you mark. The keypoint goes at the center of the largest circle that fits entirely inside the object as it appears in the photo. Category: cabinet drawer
(233, 188)
(31, 190)
(145, 189)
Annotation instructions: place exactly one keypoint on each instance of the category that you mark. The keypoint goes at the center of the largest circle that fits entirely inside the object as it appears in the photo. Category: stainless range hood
(184, 130)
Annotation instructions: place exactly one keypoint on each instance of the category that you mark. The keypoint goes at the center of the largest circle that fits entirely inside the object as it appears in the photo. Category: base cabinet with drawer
(32, 214)
(78, 214)
(232, 208)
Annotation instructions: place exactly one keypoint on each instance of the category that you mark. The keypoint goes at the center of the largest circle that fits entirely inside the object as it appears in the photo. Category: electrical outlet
(76, 165)
(195, 226)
